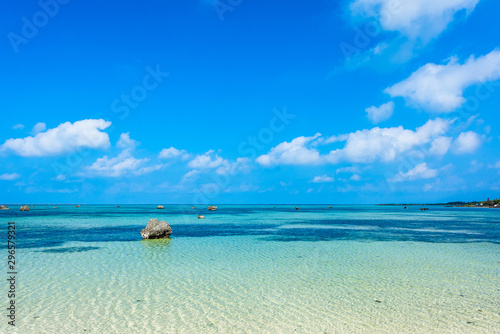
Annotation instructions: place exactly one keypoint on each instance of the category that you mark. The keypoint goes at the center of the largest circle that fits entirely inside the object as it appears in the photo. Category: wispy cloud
(322, 179)
(39, 127)
(9, 177)
(420, 171)
(419, 20)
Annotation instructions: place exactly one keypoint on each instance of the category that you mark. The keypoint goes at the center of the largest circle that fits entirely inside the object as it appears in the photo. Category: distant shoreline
(442, 204)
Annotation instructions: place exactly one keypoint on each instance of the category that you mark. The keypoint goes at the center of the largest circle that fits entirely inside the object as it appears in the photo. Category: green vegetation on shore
(487, 203)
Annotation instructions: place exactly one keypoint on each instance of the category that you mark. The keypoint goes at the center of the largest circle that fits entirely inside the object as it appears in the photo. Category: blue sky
(360, 101)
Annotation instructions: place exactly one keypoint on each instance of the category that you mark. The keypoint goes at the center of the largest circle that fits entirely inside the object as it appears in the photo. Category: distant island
(458, 204)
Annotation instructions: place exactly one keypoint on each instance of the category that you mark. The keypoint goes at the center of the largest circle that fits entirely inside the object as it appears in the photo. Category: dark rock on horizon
(156, 230)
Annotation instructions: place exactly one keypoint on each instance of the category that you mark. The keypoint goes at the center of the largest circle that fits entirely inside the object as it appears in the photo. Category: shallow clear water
(257, 269)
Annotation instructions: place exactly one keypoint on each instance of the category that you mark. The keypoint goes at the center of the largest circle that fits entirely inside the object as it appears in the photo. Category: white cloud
(207, 160)
(415, 19)
(67, 137)
(427, 187)
(440, 145)
(172, 152)
(420, 171)
(241, 165)
(380, 114)
(18, 127)
(126, 142)
(329, 140)
(362, 146)
(293, 153)
(466, 142)
(191, 176)
(39, 127)
(347, 170)
(114, 167)
(322, 179)
(146, 170)
(386, 144)
(355, 177)
(440, 87)
(9, 177)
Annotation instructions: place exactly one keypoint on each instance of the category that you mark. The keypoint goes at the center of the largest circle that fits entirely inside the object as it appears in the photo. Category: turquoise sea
(255, 269)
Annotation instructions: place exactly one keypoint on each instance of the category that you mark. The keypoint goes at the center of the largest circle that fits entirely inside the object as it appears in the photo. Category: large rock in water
(4, 207)
(156, 230)
(24, 208)
(160, 207)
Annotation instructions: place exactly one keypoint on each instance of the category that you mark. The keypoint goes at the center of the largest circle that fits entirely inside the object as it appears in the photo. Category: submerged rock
(24, 208)
(160, 207)
(212, 208)
(4, 207)
(77, 206)
(201, 217)
(156, 230)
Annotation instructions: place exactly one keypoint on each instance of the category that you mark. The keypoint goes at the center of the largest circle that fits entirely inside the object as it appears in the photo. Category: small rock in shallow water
(377, 301)
(156, 230)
